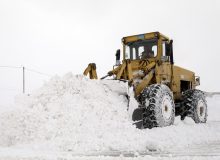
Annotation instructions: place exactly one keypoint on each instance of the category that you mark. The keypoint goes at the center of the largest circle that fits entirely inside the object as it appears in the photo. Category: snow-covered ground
(72, 117)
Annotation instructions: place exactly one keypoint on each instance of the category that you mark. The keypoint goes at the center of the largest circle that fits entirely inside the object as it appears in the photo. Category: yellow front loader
(161, 89)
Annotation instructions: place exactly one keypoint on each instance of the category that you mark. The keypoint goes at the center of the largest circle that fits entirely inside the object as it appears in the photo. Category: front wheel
(158, 106)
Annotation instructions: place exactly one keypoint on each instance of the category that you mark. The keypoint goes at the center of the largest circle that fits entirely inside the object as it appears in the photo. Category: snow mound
(72, 113)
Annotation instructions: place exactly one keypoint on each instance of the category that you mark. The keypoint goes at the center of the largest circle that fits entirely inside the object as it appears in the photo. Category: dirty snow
(78, 116)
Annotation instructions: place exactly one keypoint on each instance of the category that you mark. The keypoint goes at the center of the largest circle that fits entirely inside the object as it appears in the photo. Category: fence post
(23, 80)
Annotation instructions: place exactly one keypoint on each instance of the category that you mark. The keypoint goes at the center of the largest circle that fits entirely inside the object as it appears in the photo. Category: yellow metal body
(142, 72)
(91, 70)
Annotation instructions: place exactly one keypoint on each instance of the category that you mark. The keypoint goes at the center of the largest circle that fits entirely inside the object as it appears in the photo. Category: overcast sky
(60, 36)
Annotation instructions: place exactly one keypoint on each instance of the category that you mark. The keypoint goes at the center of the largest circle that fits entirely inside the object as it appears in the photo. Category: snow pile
(74, 113)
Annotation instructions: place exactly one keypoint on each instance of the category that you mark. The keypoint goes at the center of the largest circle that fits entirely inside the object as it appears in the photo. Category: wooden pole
(23, 80)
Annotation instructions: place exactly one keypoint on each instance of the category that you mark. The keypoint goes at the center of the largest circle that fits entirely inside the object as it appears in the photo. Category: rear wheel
(158, 107)
(194, 106)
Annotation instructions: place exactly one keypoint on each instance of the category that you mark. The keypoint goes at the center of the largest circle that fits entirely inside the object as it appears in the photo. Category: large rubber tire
(158, 106)
(195, 106)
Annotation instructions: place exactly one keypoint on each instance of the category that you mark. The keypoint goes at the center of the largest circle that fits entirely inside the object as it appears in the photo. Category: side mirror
(197, 81)
(117, 55)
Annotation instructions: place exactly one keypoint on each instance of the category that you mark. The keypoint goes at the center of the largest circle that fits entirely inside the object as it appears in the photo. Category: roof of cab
(144, 36)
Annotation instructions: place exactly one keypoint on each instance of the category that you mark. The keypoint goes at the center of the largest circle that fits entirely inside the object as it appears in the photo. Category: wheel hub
(167, 107)
(201, 109)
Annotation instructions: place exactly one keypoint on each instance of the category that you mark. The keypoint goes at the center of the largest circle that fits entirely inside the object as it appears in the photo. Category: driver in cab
(147, 53)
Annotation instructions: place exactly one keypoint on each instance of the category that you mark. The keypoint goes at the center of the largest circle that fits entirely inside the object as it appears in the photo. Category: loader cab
(150, 46)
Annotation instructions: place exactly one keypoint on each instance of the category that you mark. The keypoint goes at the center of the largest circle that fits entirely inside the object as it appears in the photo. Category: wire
(35, 71)
(10, 67)
(28, 69)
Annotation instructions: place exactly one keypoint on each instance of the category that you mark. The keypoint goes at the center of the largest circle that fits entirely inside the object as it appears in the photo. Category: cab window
(142, 49)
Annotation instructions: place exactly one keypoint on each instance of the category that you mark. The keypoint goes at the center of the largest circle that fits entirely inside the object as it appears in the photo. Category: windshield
(142, 49)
